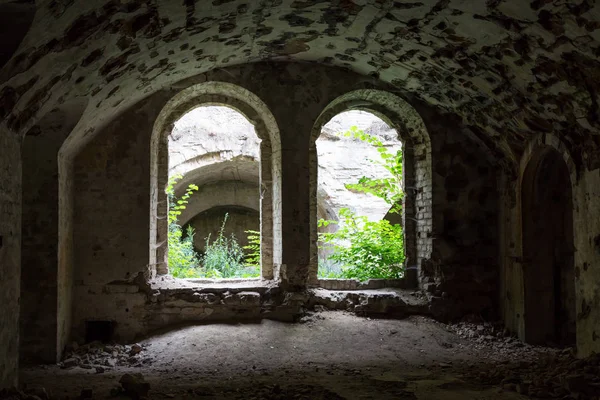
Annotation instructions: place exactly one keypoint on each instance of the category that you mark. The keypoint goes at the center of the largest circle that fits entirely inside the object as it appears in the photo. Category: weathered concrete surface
(10, 255)
(330, 355)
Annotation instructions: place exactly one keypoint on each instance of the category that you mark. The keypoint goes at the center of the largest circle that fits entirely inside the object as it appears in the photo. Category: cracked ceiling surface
(508, 68)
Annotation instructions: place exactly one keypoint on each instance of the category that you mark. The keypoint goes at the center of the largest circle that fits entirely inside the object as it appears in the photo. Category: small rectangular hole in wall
(99, 331)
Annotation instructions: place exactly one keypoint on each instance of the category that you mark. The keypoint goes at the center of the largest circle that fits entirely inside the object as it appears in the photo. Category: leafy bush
(223, 258)
(366, 249)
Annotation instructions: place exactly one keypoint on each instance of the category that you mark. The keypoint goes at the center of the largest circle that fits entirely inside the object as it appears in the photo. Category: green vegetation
(183, 260)
(223, 257)
(364, 249)
(253, 249)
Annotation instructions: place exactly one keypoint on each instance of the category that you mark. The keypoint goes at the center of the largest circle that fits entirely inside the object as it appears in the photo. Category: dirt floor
(330, 355)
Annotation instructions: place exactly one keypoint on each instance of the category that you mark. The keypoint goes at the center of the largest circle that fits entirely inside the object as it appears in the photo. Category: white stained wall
(345, 160)
(210, 130)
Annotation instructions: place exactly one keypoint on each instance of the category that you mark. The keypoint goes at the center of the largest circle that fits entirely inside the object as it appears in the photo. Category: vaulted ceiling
(507, 68)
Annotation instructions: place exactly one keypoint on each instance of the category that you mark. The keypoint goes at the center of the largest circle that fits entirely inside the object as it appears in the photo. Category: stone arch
(256, 111)
(215, 167)
(401, 116)
(209, 222)
(547, 179)
(230, 193)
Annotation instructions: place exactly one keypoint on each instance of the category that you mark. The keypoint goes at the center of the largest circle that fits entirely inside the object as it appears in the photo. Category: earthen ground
(330, 355)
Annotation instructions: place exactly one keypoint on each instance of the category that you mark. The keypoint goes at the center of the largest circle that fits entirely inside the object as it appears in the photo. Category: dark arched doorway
(547, 216)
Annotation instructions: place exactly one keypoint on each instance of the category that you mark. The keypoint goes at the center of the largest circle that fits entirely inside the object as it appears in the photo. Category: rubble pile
(534, 371)
(501, 343)
(102, 357)
(559, 375)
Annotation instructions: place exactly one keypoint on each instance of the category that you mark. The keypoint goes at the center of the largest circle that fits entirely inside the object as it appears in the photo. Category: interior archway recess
(548, 174)
(255, 110)
(417, 218)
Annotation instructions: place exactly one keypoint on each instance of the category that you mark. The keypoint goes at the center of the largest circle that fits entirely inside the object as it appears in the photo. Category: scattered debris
(493, 336)
(534, 371)
(478, 355)
(558, 375)
(101, 357)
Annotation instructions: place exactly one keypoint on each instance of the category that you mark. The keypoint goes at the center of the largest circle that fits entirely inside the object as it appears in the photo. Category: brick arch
(255, 110)
(401, 116)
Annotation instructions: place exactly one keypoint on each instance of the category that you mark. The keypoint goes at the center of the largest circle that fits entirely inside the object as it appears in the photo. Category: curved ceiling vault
(509, 68)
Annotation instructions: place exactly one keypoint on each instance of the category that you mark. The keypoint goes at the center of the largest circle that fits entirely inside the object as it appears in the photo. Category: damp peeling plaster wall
(504, 70)
(506, 67)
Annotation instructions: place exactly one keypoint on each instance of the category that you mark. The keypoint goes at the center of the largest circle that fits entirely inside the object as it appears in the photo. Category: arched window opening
(548, 250)
(214, 156)
(215, 150)
(359, 198)
(404, 135)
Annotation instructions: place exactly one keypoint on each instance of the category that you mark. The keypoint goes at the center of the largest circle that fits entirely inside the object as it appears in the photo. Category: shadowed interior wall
(10, 255)
(40, 225)
(111, 180)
